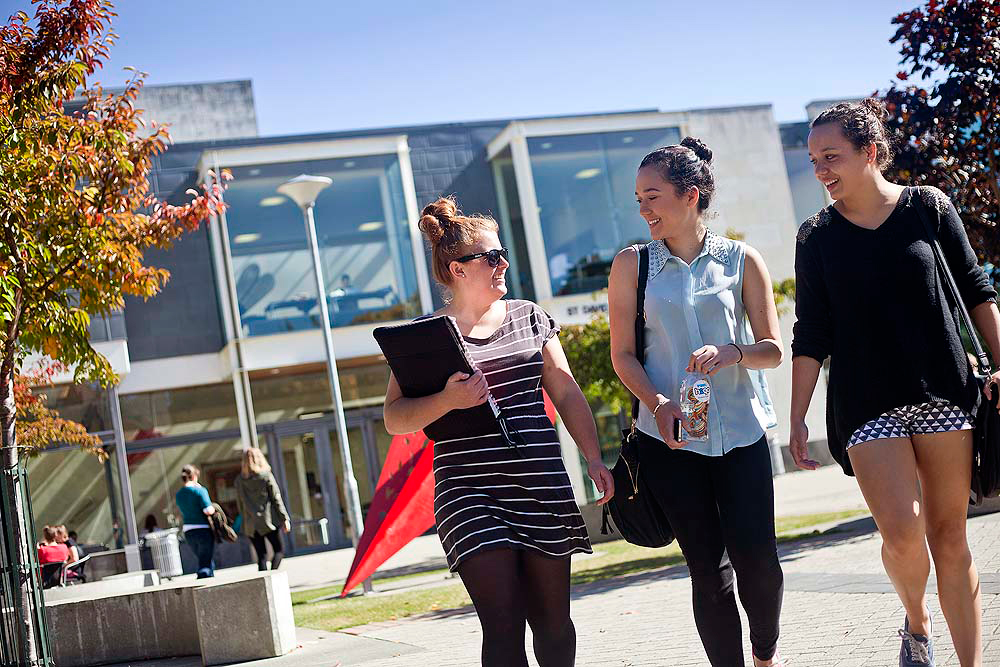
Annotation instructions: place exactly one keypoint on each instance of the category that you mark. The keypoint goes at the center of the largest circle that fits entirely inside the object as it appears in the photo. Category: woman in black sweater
(902, 394)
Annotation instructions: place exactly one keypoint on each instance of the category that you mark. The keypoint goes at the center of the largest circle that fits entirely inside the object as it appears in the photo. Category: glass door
(304, 468)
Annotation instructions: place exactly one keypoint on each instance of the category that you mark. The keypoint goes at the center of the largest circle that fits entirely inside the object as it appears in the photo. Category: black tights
(510, 587)
(274, 537)
(722, 511)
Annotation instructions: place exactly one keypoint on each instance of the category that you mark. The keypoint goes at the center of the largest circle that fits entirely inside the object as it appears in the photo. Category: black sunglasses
(492, 256)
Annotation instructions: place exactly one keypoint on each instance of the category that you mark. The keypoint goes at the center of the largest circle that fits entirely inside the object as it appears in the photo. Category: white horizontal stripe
(487, 346)
(545, 417)
(440, 510)
(493, 463)
(520, 393)
(464, 554)
(498, 472)
(437, 496)
(508, 523)
(492, 449)
(529, 344)
(510, 368)
(505, 509)
(486, 530)
(532, 378)
(525, 405)
(471, 437)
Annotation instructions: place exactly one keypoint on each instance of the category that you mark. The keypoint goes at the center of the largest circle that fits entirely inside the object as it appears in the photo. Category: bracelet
(660, 405)
(738, 349)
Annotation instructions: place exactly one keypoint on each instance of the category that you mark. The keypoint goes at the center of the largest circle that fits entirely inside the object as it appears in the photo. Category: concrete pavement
(839, 607)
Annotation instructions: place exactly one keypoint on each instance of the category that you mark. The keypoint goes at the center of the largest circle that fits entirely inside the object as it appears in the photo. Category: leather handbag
(635, 512)
(986, 436)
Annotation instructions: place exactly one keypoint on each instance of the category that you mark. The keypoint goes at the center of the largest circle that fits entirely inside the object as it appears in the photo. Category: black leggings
(510, 587)
(722, 511)
(274, 537)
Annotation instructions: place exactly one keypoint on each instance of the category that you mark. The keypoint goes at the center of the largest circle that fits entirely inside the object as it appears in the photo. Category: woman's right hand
(465, 391)
(665, 416)
(798, 439)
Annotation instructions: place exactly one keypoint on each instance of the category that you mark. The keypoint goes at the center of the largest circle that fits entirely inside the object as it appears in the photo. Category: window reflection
(585, 185)
(364, 241)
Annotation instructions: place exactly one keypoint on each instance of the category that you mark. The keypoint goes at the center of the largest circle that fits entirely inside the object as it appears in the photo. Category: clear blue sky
(336, 65)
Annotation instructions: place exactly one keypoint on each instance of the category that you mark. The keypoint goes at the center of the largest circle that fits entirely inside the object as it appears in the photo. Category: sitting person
(52, 549)
(68, 538)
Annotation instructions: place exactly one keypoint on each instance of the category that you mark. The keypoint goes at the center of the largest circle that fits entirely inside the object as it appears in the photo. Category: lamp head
(304, 189)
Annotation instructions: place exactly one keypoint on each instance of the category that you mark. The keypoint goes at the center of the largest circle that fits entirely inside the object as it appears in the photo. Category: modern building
(236, 333)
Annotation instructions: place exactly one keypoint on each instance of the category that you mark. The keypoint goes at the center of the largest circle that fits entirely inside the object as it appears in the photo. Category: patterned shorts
(910, 420)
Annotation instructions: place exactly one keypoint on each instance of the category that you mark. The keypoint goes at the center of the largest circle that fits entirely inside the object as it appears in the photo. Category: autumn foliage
(39, 426)
(946, 108)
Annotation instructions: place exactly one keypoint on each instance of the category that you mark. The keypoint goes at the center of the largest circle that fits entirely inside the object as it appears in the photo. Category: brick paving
(839, 611)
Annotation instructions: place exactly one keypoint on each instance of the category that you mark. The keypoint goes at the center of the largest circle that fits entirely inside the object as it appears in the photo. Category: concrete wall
(137, 626)
(202, 111)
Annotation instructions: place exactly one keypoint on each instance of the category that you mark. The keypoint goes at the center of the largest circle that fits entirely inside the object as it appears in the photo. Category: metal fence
(20, 645)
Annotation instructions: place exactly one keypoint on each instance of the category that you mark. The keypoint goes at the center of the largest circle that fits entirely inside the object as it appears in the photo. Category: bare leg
(944, 462)
(886, 470)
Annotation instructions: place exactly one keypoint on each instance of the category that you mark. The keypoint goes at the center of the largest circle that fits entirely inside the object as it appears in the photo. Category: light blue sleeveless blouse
(702, 304)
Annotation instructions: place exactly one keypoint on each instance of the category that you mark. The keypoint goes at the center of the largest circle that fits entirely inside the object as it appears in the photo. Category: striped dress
(489, 495)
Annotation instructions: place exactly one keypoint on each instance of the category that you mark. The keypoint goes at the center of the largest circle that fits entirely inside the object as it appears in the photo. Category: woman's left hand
(603, 480)
(992, 385)
(709, 358)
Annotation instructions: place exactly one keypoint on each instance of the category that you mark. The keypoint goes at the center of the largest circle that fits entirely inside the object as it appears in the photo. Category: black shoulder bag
(637, 515)
(986, 437)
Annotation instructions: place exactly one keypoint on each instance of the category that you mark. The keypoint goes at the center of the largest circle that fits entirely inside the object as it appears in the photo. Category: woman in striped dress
(504, 506)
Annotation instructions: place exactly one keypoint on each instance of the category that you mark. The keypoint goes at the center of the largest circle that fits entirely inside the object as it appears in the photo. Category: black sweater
(873, 301)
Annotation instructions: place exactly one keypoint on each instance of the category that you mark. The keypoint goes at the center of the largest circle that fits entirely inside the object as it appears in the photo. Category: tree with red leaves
(950, 120)
(76, 214)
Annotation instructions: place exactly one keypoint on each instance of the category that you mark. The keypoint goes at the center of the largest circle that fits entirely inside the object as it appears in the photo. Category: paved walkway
(839, 608)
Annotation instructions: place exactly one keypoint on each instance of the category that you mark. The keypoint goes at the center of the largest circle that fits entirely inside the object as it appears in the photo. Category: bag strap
(640, 319)
(942, 264)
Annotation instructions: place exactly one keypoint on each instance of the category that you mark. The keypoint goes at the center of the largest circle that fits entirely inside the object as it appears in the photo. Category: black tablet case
(422, 355)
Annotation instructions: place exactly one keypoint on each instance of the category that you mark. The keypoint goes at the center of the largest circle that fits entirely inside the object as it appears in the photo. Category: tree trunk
(9, 483)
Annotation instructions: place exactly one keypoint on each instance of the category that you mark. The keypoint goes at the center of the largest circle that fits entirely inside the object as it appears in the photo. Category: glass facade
(86, 404)
(364, 240)
(199, 409)
(156, 477)
(290, 395)
(74, 488)
(585, 187)
(519, 279)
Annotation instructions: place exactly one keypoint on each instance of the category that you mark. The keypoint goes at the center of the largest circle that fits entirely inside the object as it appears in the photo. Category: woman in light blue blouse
(709, 309)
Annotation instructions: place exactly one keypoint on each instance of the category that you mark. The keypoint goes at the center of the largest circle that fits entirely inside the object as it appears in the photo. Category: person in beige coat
(260, 505)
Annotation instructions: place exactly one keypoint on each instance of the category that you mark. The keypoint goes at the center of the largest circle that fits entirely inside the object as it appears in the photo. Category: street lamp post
(303, 190)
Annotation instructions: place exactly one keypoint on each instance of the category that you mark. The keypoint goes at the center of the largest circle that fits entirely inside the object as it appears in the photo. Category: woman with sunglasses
(503, 503)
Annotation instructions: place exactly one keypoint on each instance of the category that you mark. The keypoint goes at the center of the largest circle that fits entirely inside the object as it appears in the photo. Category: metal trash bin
(166, 551)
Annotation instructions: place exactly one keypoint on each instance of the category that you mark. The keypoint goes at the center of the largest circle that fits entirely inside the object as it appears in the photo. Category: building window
(73, 488)
(280, 396)
(178, 411)
(512, 229)
(364, 238)
(86, 404)
(585, 189)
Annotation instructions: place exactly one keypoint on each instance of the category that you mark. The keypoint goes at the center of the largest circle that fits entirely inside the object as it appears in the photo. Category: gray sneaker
(917, 650)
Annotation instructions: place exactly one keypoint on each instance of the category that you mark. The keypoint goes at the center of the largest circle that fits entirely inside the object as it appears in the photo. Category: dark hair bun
(876, 107)
(437, 217)
(699, 148)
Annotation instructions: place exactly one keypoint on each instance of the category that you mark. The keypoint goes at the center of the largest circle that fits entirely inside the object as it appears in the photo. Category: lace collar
(715, 246)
